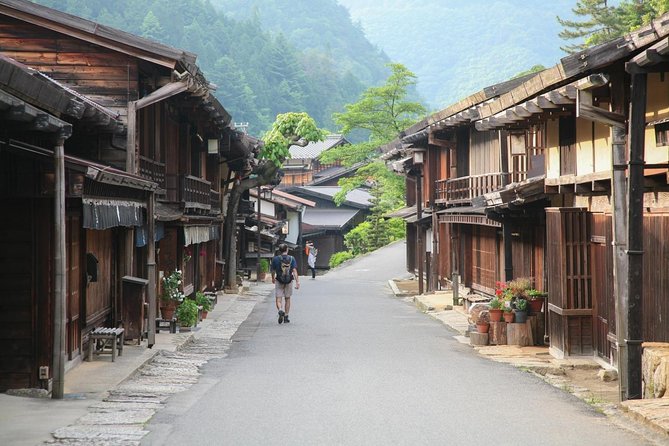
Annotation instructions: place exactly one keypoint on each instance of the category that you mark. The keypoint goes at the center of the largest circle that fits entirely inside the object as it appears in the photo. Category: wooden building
(326, 224)
(304, 168)
(561, 176)
(147, 150)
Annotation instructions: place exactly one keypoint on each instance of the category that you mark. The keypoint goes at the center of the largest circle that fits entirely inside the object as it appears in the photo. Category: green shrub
(202, 301)
(340, 257)
(187, 313)
(264, 265)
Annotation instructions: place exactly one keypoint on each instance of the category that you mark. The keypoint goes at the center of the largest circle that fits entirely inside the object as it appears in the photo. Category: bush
(187, 313)
(340, 257)
(264, 265)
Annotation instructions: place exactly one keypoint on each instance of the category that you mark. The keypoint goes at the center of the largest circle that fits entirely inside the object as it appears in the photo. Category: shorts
(283, 289)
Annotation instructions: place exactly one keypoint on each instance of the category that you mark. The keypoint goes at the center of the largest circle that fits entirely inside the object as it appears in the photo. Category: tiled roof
(328, 218)
(357, 197)
(313, 149)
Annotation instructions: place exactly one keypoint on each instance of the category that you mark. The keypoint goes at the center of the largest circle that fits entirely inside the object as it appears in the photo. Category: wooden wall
(601, 251)
(484, 257)
(656, 277)
(18, 340)
(105, 76)
(100, 295)
(484, 152)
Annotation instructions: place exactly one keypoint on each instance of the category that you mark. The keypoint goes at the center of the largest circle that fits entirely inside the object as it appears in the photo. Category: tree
(151, 28)
(600, 23)
(603, 22)
(288, 129)
(383, 111)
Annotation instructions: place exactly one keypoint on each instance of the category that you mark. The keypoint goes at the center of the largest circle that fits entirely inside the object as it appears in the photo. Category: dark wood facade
(532, 160)
(134, 132)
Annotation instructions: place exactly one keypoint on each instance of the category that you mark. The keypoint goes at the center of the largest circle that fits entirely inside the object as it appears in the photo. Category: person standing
(284, 271)
(311, 260)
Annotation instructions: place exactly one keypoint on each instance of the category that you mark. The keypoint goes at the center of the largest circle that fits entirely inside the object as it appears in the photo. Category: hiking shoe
(281, 316)
(285, 319)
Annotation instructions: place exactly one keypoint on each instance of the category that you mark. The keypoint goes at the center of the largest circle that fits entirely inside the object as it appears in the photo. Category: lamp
(212, 146)
(418, 156)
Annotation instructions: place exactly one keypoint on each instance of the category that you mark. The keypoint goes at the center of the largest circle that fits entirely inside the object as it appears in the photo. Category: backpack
(285, 273)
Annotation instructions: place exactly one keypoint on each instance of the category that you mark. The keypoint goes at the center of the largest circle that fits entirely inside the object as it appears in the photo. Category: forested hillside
(457, 47)
(259, 73)
(319, 28)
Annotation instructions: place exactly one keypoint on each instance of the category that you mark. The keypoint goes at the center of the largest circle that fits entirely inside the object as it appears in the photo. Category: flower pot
(495, 315)
(482, 328)
(167, 310)
(508, 317)
(536, 305)
(521, 316)
(204, 314)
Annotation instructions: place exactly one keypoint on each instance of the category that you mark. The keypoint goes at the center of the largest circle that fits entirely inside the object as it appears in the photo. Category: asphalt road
(357, 366)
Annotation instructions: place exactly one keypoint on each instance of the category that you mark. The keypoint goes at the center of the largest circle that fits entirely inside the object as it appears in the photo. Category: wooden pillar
(635, 192)
(151, 269)
(131, 142)
(60, 268)
(619, 215)
(506, 224)
(419, 230)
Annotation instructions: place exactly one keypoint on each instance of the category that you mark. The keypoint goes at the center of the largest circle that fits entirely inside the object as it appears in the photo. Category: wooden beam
(558, 98)
(523, 112)
(161, 94)
(543, 102)
(602, 116)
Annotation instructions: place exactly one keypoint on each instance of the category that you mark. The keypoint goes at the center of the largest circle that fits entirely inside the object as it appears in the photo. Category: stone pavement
(109, 403)
(585, 377)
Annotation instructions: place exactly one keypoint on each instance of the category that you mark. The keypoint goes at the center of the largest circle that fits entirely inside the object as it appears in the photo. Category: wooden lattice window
(662, 134)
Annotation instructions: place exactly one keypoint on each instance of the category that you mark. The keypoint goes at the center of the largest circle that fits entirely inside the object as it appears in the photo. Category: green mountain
(457, 47)
(259, 73)
(319, 28)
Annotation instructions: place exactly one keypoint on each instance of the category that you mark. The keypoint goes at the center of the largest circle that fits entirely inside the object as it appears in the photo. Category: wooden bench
(170, 324)
(106, 340)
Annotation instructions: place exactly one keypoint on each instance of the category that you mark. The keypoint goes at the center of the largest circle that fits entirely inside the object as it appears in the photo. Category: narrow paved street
(356, 366)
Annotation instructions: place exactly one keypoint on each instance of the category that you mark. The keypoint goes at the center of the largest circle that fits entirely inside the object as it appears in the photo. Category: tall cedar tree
(602, 22)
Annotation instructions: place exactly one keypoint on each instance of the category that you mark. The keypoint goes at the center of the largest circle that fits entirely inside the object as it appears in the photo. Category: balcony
(195, 193)
(463, 190)
(152, 170)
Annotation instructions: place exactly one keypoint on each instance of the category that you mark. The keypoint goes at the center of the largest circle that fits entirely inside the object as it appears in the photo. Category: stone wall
(655, 369)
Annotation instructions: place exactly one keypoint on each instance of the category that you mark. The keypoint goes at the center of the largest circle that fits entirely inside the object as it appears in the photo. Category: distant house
(326, 223)
(280, 222)
(304, 168)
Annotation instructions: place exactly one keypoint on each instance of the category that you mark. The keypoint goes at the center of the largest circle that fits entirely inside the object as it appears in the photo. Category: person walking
(311, 260)
(284, 271)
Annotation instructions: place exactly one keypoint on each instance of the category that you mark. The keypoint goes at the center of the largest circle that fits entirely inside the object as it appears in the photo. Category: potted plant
(508, 313)
(495, 310)
(536, 300)
(187, 313)
(519, 287)
(264, 269)
(171, 295)
(521, 310)
(203, 301)
(483, 322)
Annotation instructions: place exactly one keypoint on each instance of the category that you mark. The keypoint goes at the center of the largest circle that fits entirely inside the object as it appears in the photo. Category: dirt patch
(408, 287)
(602, 392)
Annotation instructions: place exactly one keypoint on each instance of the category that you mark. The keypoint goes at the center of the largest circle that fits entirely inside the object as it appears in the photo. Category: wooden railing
(152, 170)
(463, 190)
(195, 192)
